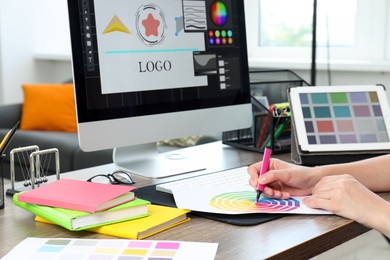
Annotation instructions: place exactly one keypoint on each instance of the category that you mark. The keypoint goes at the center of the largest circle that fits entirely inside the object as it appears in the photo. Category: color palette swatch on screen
(245, 201)
(220, 32)
(343, 118)
(104, 249)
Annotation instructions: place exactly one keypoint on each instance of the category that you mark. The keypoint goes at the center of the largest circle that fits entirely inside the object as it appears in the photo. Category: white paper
(237, 200)
(66, 248)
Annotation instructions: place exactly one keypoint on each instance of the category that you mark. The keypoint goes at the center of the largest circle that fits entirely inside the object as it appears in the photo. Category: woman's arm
(374, 173)
(285, 179)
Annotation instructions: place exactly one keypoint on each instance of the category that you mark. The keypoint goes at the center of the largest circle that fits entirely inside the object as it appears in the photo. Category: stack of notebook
(103, 208)
(78, 205)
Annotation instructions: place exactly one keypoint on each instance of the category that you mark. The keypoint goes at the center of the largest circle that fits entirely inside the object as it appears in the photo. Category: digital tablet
(341, 118)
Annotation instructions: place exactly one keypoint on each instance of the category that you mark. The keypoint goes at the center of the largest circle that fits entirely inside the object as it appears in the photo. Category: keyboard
(236, 176)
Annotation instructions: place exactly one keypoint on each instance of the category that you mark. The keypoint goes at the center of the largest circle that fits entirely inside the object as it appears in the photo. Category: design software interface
(149, 57)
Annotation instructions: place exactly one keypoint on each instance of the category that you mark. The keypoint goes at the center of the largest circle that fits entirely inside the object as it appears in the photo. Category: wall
(26, 29)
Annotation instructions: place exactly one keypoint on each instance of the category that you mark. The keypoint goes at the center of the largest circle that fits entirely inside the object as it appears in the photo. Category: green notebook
(79, 220)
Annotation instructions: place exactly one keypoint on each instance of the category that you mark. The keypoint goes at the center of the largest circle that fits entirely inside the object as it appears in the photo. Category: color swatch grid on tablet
(343, 117)
(245, 201)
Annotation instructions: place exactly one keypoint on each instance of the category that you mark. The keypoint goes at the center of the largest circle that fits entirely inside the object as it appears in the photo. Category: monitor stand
(145, 160)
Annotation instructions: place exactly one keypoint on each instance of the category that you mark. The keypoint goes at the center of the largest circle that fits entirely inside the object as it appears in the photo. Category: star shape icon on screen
(151, 25)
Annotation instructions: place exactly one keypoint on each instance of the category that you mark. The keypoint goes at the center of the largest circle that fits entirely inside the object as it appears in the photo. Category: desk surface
(290, 237)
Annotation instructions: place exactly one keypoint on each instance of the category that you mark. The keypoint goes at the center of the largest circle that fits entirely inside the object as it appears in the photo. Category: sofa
(48, 119)
(71, 156)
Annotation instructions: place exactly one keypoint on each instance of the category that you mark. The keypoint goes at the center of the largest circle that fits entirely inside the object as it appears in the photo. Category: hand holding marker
(264, 169)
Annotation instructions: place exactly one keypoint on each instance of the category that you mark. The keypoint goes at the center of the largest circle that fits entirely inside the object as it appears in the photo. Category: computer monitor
(146, 71)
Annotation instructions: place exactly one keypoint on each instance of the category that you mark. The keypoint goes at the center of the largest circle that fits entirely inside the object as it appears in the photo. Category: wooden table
(290, 237)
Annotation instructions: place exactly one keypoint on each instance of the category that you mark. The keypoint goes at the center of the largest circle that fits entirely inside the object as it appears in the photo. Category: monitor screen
(146, 71)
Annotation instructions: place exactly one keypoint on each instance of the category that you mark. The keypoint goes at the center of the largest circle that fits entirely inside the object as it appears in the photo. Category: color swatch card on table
(79, 220)
(237, 200)
(160, 218)
(79, 195)
(65, 248)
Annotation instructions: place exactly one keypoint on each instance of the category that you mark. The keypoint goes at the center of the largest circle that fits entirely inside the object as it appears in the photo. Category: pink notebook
(79, 195)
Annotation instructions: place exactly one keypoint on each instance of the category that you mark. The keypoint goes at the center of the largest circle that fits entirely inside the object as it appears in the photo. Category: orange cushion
(48, 107)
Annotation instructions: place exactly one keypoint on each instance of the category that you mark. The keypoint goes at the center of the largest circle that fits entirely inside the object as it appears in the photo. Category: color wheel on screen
(218, 13)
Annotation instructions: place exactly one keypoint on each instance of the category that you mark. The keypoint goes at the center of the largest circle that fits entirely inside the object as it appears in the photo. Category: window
(280, 27)
(352, 31)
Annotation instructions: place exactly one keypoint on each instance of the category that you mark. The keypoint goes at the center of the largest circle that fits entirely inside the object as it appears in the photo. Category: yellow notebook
(160, 218)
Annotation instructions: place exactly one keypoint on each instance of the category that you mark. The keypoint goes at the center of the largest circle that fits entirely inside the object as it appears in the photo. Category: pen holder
(1, 182)
(271, 126)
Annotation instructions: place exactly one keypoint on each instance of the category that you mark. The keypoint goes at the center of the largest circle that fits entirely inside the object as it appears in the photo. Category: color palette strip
(104, 249)
(220, 37)
(343, 118)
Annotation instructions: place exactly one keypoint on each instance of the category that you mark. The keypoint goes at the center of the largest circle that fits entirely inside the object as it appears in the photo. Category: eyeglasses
(117, 177)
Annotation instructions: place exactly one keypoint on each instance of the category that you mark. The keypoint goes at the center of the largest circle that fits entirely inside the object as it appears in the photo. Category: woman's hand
(345, 196)
(283, 179)
(338, 193)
